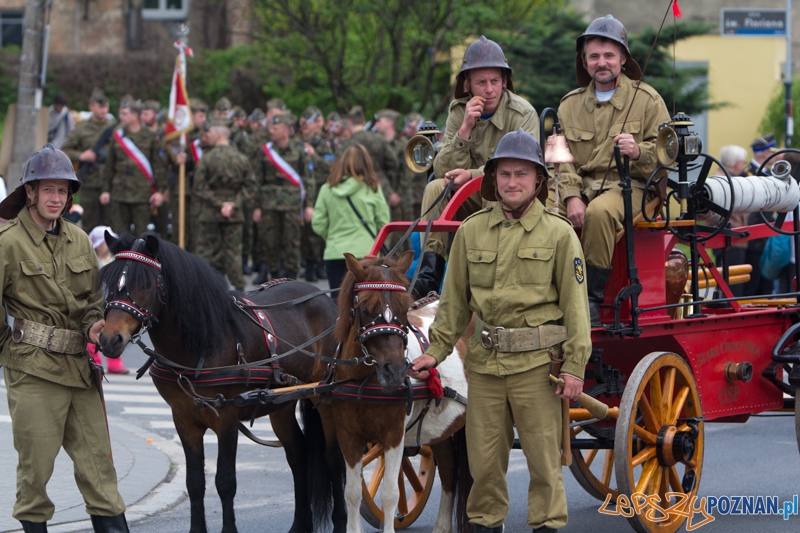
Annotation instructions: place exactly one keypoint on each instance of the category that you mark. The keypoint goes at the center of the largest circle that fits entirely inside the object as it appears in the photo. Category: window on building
(165, 9)
(11, 28)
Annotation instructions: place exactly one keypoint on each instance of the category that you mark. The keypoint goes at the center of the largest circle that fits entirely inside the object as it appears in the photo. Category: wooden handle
(598, 409)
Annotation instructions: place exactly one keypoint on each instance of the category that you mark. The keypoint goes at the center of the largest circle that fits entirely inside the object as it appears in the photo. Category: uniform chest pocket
(80, 275)
(536, 266)
(36, 281)
(633, 127)
(577, 134)
(482, 267)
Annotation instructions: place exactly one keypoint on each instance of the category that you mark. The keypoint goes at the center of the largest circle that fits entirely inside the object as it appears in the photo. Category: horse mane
(197, 297)
(401, 301)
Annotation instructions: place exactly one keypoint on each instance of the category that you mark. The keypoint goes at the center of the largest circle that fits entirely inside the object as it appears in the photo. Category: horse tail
(321, 481)
(463, 481)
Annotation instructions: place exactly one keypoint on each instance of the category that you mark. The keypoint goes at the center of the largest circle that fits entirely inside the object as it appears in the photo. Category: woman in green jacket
(350, 210)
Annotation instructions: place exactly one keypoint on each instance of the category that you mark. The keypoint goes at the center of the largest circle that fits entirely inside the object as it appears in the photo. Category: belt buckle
(486, 336)
(50, 337)
(17, 334)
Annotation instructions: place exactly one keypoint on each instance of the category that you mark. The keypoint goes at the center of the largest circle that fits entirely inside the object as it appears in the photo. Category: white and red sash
(197, 150)
(285, 169)
(138, 157)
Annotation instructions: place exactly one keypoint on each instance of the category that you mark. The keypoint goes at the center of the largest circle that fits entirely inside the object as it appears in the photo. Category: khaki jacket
(513, 113)
(50, 280)
(515, 274)
(590, 127)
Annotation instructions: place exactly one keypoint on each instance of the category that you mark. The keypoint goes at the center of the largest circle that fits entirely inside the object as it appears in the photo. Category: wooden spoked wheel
(593, 469)
(416, 481)
(659, 439)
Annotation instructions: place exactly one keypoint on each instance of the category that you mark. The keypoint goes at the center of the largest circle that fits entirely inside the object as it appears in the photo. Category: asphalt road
(758, 458)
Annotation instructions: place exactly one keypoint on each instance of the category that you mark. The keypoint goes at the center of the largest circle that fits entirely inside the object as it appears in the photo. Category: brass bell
(556, 150)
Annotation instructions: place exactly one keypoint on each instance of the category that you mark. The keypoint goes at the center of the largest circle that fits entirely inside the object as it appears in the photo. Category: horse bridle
(143, 315)
(385, 323)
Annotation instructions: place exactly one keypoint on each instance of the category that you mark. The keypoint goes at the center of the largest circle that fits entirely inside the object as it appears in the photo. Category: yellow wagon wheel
(417, 473)
(659, 440)
(593, 468)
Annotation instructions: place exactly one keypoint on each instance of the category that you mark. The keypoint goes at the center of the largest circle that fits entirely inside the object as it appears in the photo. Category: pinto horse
(210, 349)
(374, 322)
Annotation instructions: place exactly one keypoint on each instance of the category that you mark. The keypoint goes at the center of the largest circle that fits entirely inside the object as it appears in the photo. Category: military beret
(286, 118)
(98, 96)
(256, 115)
(765, 142)
(311, 111)
(356, 114)
(152, 105)
(387, 113)
(223, 104)
(198, 105)
(276, 103)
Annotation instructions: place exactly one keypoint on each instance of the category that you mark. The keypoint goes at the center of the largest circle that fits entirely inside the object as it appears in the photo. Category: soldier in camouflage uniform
(223, 110)
(386, 126)
(199, 119)
(333, 125)
(78, 146)
(282, 210)
(384, 160)
(320, 157)
(150, 110)
(224, 190)
(130, 192)
(239, 137)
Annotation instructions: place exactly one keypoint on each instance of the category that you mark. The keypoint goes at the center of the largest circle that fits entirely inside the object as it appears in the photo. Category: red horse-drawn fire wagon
(677, 349)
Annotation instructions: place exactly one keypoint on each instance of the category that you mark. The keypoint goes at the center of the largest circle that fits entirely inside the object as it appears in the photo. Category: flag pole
(182, 197)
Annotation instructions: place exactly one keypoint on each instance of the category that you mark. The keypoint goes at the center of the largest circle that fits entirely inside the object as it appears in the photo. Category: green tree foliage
(774, 120)
(377, 53)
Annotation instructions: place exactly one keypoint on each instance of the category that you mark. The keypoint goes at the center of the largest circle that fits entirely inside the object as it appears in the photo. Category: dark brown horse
(195, 322)
(374, 324)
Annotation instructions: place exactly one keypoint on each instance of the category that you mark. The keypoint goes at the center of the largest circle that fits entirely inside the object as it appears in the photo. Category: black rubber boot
(483, 529)
(262, 274)
(431, 272)
(596, 280)
(247, 268)
(33, 527)
(110, 524)
(311, 272)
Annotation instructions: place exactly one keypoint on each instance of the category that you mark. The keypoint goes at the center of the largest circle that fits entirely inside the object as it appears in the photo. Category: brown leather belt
(51, 338)
(520, 339)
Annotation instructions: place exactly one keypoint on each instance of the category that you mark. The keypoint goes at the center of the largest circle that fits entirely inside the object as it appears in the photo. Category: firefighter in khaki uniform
(134, 178)
(47, 268)
(224, 185)
(518, 266)
(592, 118)
(79, 147)
(484, 109)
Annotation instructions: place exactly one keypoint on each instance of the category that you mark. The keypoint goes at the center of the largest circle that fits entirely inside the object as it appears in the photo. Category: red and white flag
(197, 150)
(179, 118)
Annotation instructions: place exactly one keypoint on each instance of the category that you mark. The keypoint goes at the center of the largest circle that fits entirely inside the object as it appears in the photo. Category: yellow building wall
(744, 72)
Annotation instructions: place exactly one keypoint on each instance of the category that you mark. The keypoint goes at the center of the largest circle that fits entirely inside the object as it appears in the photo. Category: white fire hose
(779, 192)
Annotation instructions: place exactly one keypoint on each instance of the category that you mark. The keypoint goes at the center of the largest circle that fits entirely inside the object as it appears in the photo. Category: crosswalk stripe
(150, 411)
(144, 388)
(134, 398)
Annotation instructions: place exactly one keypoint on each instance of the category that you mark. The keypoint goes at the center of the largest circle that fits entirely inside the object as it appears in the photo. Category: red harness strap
(266, 325)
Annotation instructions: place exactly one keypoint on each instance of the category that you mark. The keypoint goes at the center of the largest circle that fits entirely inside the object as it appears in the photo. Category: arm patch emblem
(578, 269)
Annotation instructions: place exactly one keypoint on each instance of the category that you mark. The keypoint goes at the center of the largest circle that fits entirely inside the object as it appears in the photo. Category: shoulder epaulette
(484, 210)
(10, 224)
(579, 90)
(519, 104)
(647, 88)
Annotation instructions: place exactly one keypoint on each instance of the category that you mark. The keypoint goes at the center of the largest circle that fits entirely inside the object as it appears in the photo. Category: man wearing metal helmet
(484, 109)
(519, 267)
(48, 268)
(612, 107)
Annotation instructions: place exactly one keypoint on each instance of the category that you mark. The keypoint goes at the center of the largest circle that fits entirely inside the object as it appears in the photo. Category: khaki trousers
(44, 417)
(605, 215)
(437, 242)
(496, 404)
